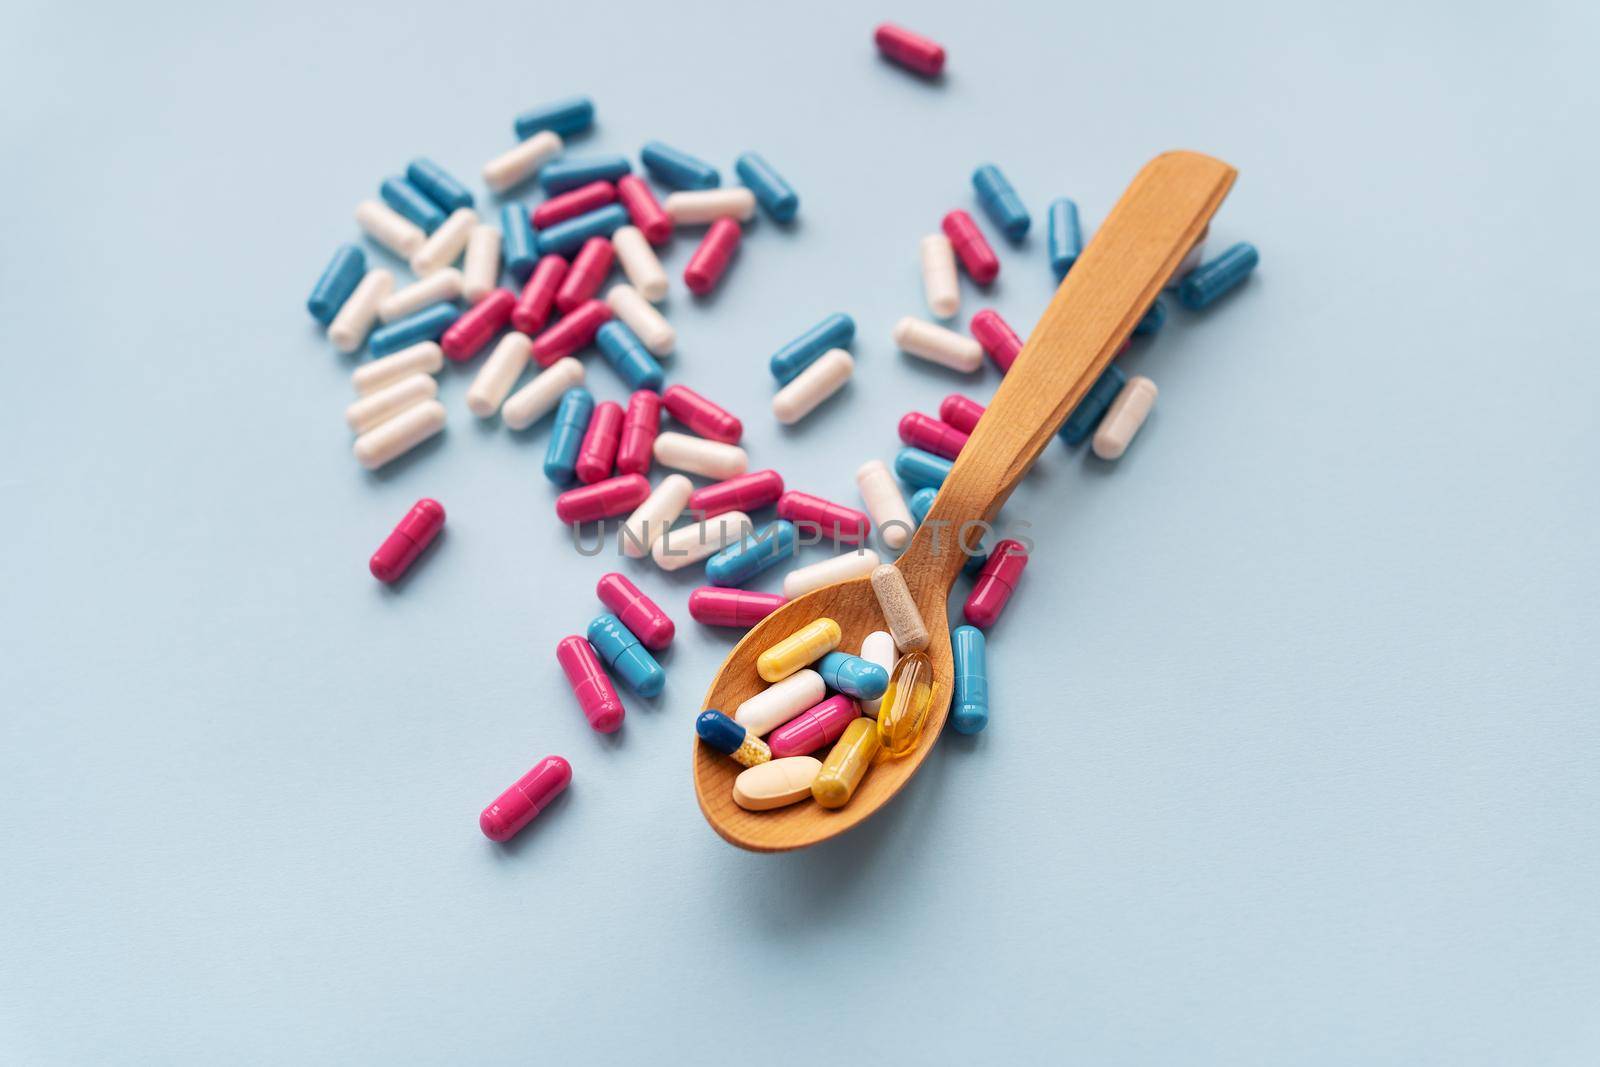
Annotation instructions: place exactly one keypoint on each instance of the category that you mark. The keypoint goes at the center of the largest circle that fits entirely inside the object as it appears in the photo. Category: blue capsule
(1086, 416)
(438, 185)
(429, 324)
(1152, 319)
(853, 676)
(622, 652)
(412, 203)
(1063, 236)
(339, 279)
(776, 196)
(564, 174)
(629, 357)
(835, 331)
(975, 564)
(1001, 202)
(677, 170)
(969, 709)
(565, 117)
(921, 469)
(752, 554)
(518, 244)
(921, 503)
(572, 419)
(563, 237)
(1202, 286)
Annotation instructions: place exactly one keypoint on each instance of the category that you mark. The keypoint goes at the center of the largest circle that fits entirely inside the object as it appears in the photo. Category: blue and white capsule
(629, 357)
(921, 469)
(835, 331)
(1001, 202)
(853, 676)
(1152, 319)
(731, 739)
(429, 324)
(438, 185)
(752, 554)
(564, 174)
(566, 437)
(676, 169)
(565, 117)
(1092, 408)
(776, 196)
(969, 708)
(921, 503)
(564, 236)
(339, 279)
(620, 650)
(1202, 286)
(518, 243)
(412, 202)
(1063, 236)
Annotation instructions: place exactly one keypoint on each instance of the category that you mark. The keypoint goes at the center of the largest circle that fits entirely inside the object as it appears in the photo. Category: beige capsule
(938, 345)
(890, 515)
(853, 564)
(899, 609)
(654, 516)
(348, 330)
(640, 263)
(812, 386)
(697, 206)
(776, 783)
(445, 245)
(424, 357)
(480, 268)
(711, 459)
(693, 543)
(522, 162)
(376, 408)
(399, 435)
(940, 286)
(1122, 421)
(389, 228)
(640, 316)
(442, 286)
(498, 374)
(539, 397)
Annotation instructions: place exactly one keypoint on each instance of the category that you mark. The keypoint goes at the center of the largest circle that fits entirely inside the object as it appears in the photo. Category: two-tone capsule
(566, 437)
(1001, 202)
(969, 707)
(406, 541)
(754, 553)
(729, 738)
(623, 652)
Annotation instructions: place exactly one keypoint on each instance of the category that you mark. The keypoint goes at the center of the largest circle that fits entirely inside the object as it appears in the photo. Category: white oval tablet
(775, 783)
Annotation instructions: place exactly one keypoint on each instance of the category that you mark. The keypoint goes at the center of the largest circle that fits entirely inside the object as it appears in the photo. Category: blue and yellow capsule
(776, 196)
(969, 710)
(628, 356)
(566, 437)
(622, 652)
(731, 739)
(676, 169)
(1202, 286)
(563, 237)
(565, 117)
(921, 469)
(438, 184)
(1087, 415)
(752, 554)
(1152, 319)
(1001, 202)
(518, 244)
(411, 202)
(429, 324)
(1063, 236)
(921, 503)
(564, 174)
(339, 279)
(835, 331)
(853, 676)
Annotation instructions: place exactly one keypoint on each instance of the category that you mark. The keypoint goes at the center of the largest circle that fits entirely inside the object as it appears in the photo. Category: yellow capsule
(846, 764)
(906, 703)
(806, 645)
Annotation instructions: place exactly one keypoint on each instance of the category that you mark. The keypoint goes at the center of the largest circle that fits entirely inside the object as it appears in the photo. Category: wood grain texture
(1159, 218)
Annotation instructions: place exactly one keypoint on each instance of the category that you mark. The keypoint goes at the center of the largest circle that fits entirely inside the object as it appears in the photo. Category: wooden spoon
(1159, 218)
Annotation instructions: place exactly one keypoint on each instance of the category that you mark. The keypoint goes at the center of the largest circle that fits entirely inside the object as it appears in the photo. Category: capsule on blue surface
(566, 117)
(835, 331)
(1086, 416)
(1152, 319)
(921, 469)
(975, 564)
(411, 202)
(563, 174)
(518, 245)
(622, 652)
(776, 196)
(921, 503)
(677, 170)
(438, 185)
(731, 739)
(563, 237)
(853, 676)
(339, 279)
(1063, 236)
(429, 324)
(752, 554)
(969, 708)
(572, 419)
(1001, 202)
(628, 356)
(1203, 285)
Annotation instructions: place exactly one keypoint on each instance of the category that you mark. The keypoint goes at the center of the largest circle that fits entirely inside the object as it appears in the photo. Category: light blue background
(1293, 756)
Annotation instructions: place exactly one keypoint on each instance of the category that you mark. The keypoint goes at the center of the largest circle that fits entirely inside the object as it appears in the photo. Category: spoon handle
(1114, 282)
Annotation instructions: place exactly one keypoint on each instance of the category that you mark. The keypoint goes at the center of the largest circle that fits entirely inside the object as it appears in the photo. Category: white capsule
(399, 435)
(522, 162)
(1123, 419)
(938, 345)
(699, 206)
(539, 397)
(1189, 263)
(780, 702)
(480, 271)
(640, 263)
(424, 357)
(654, 517)
(498, 374)
(890, 515)
(445, 245)
(878, 647)
(939, 283)
(712, 459)
(442, 286)
(776, 783)
(640, 316)
(374, 409)
(693, 543)
(348, 330)
(853, 564)
(389, 228)
(812, 386)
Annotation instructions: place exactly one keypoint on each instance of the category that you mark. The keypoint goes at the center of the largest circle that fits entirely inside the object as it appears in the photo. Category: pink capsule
(589, 269)
(527, 797)
(589, 683)
(571, 204)
(644, 209)
(732, 607)
(407, 540)
(961, 412)
(710, 260)
(640, 424)
(701, 415)
(598, 452)
(995, 584)
(469, 333)
(571, 332)
(931, 435)
(744, 493)
(538, 295)
(911, 50)
(602, 500)
(833, 521)
(997, 338)
(972, 248)
(638, 612)
(811, 729)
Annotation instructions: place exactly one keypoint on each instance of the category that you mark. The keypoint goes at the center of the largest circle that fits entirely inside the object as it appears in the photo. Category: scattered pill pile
(598, 217)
